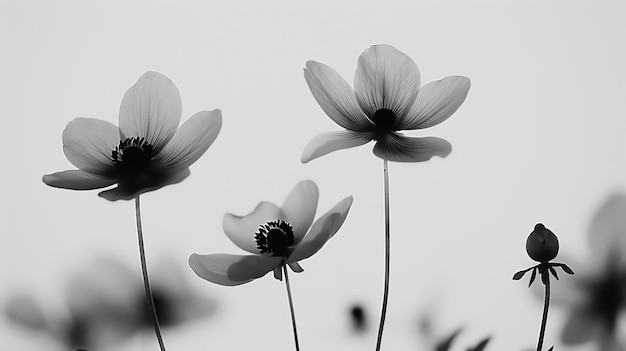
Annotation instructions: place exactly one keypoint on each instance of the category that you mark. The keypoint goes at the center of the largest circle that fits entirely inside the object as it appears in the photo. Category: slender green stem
(293, 314)
(544, 319)
(383, 313)
(146, 282)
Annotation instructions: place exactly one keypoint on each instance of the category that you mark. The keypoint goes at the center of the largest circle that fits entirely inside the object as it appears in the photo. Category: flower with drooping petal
(387, 97)
(275, 236)
(596, 298)
(146, 152)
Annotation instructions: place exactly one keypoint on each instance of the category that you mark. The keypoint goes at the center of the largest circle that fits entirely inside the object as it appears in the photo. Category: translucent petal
(191, 140)
(102, 288)
(128, 189)
(580, 327)
(608, 228)
(225, 269)
(300, 206)
(335, 96)
(24, 310)
(386, 79)
(332, 141)
(436, 102)
(399, 148)
(77, 180)
(151, 109)
(322, 230)
(241, 229)
(88, 144)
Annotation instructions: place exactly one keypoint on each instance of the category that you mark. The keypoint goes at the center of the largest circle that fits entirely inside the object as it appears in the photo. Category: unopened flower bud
(542, 245)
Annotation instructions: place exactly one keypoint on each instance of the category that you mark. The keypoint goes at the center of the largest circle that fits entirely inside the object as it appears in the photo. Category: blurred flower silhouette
(106, 305)
(146, 152)
(596, 297)
(386, 98)
(275, 236)
(437, 341)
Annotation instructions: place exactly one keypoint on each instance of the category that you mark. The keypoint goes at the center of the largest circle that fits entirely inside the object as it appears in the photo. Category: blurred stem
(146, 282)
(293, 315)
(383, 313)
(546, 304)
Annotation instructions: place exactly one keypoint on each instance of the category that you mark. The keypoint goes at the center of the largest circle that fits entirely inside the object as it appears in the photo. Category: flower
(274, 235)
(386, 98)
(106, 305)
(146, 152)
(596, 297)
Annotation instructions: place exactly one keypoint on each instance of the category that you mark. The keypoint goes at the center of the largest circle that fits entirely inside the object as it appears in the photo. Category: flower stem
(544, 319)
(387, 256)
(293, 315)
(146, 283)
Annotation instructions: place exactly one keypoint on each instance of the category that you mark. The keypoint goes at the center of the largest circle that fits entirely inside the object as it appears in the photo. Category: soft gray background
(540, 138)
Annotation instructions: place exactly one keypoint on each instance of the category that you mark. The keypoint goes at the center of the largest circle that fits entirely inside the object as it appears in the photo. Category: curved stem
(293, 315)
(146, 283)
(544, 319)
(387, 256)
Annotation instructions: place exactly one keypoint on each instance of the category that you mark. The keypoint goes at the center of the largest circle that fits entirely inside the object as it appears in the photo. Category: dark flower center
(384, 119)
(274, 237)
(132, 155)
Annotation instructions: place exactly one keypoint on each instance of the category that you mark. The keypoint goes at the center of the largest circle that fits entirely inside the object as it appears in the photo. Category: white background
(540, 138)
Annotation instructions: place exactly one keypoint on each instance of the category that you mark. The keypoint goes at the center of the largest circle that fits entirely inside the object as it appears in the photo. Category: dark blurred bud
(359, 320)
(542, 245)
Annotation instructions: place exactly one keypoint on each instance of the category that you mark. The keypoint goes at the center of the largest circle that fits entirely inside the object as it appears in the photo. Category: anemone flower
(595, 299)
(387, 98)
(276, 237)
(146, 152)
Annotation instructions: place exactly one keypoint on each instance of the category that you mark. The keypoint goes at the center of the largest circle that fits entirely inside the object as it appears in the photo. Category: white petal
(241, 229)
(436, 102)
(332, 141)
(88, 144)
(77, 180)
(300, 206)
(335, 96)
(191, 140)
(322, 230)
(399, 148)
(130, 188)
(151, 109)
(232, 270)
(386, 78)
